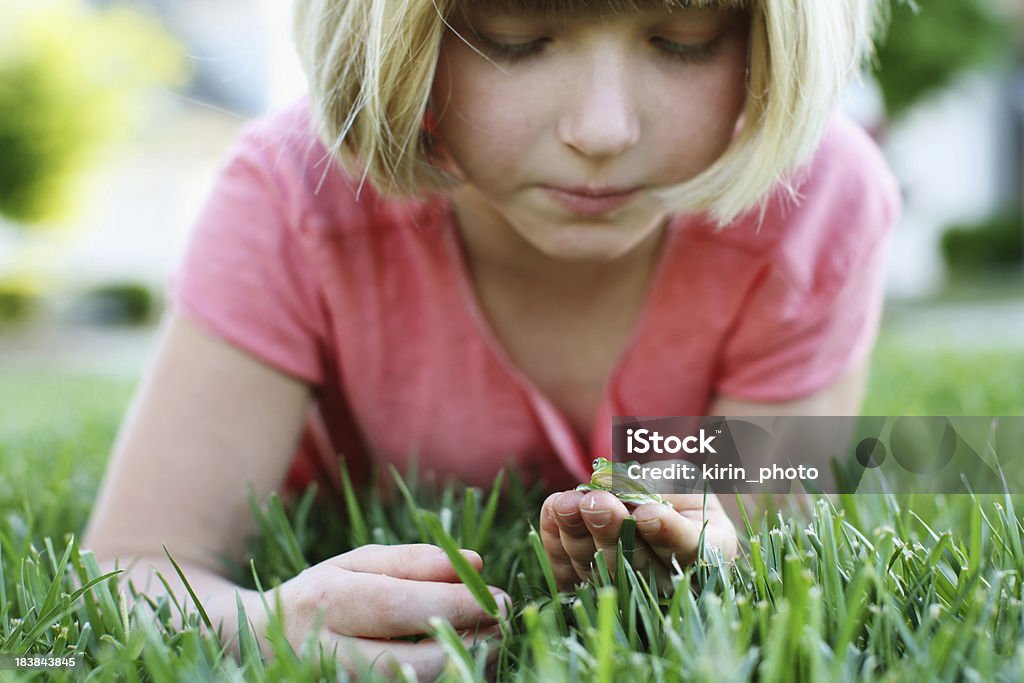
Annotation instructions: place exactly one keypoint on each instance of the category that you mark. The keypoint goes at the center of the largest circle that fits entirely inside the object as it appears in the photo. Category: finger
(561, 563)
(376, 606)
(683, 502)
(670, 534)
(646, 563)
(425, 659)
(644, 557)
(603, 514)
(415, 561)
(567, 514)
(581, 555)
(721, 532)
(573, 533)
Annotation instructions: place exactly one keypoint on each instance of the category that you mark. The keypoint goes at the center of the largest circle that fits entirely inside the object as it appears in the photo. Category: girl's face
(562, 126)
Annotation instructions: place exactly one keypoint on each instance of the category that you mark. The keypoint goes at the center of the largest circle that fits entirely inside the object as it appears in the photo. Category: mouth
(591, 201)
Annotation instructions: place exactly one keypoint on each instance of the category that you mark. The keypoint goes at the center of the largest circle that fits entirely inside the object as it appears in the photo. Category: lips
(587, 201)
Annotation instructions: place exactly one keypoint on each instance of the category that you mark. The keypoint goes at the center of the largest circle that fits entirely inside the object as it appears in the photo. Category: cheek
(486, 121)
(701, 119)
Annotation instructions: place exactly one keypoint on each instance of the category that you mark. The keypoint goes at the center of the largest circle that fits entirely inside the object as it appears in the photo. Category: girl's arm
(209, 421)
(843, 397)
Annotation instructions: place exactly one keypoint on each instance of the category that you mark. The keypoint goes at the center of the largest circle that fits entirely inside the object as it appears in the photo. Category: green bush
(124, 303)
(19, 300)
(996, 243)
(928, 44)
(71, 79)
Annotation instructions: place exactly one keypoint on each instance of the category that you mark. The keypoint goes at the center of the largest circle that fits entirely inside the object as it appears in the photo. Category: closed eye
(517, 51)
(693, 53)
(512, 52)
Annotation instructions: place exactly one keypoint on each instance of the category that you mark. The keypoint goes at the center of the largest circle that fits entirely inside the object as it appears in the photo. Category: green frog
(614, 478)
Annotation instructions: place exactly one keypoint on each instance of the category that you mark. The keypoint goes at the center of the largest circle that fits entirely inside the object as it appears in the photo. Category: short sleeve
(808, 344)
(244, 276)
(814, 309)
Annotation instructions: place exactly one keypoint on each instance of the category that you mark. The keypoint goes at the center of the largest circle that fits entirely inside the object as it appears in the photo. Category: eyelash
(512, 52)
(691, 54)
(517, 52)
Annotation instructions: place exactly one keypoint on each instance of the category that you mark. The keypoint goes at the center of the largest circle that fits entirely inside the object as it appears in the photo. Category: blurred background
(114, 117)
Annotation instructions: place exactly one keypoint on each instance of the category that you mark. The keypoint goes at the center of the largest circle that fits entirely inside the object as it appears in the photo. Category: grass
(990, 286)
(883, 588)
(907, 381)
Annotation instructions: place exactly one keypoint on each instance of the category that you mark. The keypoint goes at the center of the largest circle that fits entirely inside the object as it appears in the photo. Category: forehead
(563, 7)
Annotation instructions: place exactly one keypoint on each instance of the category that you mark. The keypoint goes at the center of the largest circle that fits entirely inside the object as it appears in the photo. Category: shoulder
(284, 152)
(845, 203)
(847, 188)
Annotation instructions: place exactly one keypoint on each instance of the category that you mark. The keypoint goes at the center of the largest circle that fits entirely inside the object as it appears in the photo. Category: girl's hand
(576, 524)
(358, 600)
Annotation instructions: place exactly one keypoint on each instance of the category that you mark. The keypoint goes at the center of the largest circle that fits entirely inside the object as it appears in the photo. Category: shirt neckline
(576, 456)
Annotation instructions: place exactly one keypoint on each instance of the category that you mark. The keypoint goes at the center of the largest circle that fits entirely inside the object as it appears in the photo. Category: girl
(493, 226)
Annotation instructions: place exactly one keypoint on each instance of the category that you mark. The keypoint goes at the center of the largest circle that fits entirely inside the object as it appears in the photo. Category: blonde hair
(370, 65)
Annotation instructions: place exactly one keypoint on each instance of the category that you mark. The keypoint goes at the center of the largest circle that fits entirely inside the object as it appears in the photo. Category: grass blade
(356, 521)
(607, 609)
(490, 510)
(543, 561)
(549, 577)
(469, 517)
(181, 575)
(414, 509)
(474, 582)
(248, 648)
(460, 661)
(627, 537)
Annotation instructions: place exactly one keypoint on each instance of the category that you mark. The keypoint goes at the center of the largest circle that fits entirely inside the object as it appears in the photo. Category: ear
(429, 125)
(436, 150)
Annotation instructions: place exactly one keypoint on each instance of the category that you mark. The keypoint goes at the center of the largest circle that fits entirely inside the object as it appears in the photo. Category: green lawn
(875, 588)
(909, 381)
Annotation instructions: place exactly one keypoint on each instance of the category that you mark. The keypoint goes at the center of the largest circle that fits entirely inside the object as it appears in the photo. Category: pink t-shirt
(368, 300)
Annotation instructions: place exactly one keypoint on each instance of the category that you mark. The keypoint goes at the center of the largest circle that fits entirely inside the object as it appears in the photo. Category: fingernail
(649, 526)
(503, 600)
(598, 518)
(568, 518)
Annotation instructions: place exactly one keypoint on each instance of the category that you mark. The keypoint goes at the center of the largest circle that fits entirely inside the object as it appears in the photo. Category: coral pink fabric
(368, 301)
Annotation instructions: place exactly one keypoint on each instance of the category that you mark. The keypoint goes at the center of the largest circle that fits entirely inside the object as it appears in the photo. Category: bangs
(563, 7)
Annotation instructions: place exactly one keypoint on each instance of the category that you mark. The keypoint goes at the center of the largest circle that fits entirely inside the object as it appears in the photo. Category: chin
(587, 243)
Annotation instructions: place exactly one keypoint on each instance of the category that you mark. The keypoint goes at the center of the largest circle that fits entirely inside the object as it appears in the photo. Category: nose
(600, 118)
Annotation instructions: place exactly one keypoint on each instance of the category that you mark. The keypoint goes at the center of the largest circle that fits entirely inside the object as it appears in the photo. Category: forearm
(216, 594)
